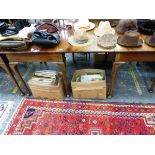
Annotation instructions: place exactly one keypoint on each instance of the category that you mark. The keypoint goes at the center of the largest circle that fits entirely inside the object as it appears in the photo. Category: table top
(65, 47)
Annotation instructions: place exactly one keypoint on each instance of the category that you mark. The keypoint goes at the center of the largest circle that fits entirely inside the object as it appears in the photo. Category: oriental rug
(44, 117)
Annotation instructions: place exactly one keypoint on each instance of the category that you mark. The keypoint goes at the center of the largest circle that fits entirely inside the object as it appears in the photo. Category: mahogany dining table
(35, 53)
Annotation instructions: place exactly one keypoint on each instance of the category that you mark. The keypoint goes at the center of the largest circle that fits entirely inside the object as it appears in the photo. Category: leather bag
(19, 24)
(3, 26)
(45, 39)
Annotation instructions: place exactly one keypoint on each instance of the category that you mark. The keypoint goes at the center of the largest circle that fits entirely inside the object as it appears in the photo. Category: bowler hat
(126, 25)
(130, 39)
(147, 27)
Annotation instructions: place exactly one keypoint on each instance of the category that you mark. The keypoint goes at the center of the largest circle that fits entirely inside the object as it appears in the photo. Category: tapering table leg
(63, 69)
(9, 70)
(16, 71)
(115, 68)
(152, 86)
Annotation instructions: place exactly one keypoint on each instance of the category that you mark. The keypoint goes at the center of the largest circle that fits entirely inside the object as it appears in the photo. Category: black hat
(147, 27)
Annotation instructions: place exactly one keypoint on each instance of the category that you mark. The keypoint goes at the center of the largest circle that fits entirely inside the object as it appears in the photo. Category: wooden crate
(92, 90)
(42, 90)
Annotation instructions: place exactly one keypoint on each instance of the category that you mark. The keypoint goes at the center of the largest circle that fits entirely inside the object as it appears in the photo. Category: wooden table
(36, 54)
(144, 53)
(123, 54)
(140, 54)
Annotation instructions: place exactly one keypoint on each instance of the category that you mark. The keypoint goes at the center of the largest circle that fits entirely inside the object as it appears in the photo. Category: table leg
(137, 64)
(63, 69)
(115, 68)
(73, 56)
(15, 69)
(152, 86)
(8, 68)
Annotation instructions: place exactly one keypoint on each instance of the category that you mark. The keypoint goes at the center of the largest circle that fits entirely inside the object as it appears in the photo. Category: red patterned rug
(82, 118)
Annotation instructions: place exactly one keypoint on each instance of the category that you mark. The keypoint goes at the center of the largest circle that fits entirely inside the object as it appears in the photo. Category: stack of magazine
(46, 77)
(88, 77)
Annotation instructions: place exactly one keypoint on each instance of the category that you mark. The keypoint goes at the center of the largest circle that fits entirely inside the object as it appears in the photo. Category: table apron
(140, 56)
(37, 57)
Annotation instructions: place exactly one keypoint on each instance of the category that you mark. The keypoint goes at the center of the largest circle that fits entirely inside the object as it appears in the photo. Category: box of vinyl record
(47, 84)
(89, 83)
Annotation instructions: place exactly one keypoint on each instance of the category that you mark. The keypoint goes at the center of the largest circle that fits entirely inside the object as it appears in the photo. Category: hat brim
(90, 24)
(147, 41)
(119, 41)
(73, 43)
(106, 47)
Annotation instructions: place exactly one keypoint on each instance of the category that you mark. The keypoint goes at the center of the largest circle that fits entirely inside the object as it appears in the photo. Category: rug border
(13, 116)
(98, 102)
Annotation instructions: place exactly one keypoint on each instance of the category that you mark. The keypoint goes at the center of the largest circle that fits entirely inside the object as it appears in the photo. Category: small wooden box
(92, 89)
(44, 90)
